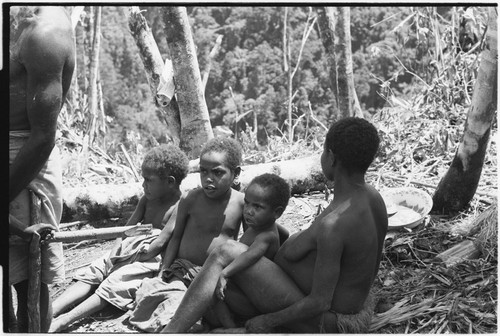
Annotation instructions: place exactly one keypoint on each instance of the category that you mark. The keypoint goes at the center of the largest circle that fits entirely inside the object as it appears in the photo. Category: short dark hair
(225, 145)
(167, 160)
(354, 141)
(279, 190)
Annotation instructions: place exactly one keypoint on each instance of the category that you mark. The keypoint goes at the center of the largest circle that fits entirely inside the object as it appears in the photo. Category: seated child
(114, 278)
(266, 197)
(321, 278)
(206, 216)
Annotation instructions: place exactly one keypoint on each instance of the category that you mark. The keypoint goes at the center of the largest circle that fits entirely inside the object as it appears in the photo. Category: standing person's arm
(325, 278)
(44, 55)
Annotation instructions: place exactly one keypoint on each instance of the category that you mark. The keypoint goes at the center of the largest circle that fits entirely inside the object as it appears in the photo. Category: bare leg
(12, 315)
(74, 294)
(91, 305)
(224, 314)
(199, 296)
(239, 303)
(22, 306)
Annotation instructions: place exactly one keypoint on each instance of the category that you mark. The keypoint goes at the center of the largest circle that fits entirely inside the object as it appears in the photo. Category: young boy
(206, 216)
(266, 197)
(114, 278)
(320, 278)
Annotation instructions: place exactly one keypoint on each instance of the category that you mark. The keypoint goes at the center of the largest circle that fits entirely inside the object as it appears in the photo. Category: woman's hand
(259, 324)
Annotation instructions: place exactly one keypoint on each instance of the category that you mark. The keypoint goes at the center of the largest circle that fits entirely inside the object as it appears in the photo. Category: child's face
(216, 177)
(154, 187)
(257, 211)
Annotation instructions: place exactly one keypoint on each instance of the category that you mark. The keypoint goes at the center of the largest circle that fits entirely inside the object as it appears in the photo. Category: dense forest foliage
(404, 57)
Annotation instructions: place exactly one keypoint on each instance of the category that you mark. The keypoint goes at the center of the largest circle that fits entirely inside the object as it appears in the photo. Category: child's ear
(171, 180)
(278, 211)
(332, 157)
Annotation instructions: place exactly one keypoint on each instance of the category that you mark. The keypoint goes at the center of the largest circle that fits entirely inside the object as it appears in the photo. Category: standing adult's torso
(54, 25)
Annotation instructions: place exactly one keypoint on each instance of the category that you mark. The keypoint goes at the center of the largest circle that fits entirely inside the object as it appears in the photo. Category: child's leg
(91, 305)
(74, 294)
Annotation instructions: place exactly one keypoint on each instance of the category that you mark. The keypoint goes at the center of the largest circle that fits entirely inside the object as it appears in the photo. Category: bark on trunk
(81, 58)
(195, 123)
(157, 73)
(459, 185)
(94, 69)
(326, 25)
(348, 100)
(107, 201)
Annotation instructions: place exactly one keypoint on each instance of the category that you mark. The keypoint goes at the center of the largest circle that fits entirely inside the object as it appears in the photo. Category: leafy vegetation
(411, 64)
(414, 70)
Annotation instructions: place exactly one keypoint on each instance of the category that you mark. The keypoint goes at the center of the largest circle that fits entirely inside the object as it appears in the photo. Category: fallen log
(107, 201)
(102, 233)
(67, 225)
(465, 250)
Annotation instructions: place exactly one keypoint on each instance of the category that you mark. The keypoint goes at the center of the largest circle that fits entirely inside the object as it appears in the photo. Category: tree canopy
(404, 52)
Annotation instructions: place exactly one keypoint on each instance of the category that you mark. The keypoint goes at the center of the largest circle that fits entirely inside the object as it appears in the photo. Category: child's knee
(229, 250)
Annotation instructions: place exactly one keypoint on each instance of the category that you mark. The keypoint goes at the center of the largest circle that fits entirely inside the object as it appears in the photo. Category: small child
(115, 277)
(266, 197)
(206, 216)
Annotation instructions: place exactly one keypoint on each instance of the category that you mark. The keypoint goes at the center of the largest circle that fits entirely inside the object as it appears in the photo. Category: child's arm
(232, 222)
(256, 251)
(139, 212)
(136, 217)
(163, 238)
(175, 241)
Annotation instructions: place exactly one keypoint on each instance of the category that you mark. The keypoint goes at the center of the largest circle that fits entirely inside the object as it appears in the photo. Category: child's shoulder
(191, 195)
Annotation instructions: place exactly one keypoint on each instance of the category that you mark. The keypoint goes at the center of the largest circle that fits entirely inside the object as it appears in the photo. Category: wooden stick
(465, 250)
(130, 163)
(102, 233)
(34, 268)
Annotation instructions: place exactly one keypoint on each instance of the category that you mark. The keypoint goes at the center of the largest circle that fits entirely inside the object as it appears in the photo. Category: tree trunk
(458, 186)
(211, 56)
(94, 69)
(157, 73)
(347, 94)
(72, 97)
(326, 25)
(81, 61)
(288, 66)
(195, 123)
(107, 201)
